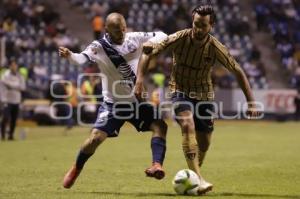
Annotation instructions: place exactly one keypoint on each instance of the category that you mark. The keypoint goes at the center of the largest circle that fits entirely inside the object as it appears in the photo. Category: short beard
(199, 38)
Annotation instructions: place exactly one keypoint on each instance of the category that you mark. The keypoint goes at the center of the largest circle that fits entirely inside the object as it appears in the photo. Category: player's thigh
(186, 121)
(203, 118)
(98, 134)
(184, 110)
(6, 111)
(107, 121)
(144, 116)
(14, 110)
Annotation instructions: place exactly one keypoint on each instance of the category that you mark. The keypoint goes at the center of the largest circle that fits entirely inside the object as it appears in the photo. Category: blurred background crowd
(263, 35)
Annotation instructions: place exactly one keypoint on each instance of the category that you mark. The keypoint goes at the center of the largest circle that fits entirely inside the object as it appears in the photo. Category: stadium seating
(34, 37)
(154, 15)
(282, 19)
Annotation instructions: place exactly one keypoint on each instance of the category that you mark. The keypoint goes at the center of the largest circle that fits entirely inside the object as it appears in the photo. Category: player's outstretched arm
(252, 111)
(74, 58)
(150, 52)
(141, 71)
(224, 58)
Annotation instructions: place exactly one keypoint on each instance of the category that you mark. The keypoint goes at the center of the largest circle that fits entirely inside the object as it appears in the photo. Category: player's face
(201, 26)
(117, 32)
(14, 67)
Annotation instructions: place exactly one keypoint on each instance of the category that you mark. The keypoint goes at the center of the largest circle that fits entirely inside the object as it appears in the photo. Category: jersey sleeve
(7, 82)
(22, 83)
(159, 37)
(169, 42)
(224, 58)
(91, 50)
(143, 37)
(78, 58)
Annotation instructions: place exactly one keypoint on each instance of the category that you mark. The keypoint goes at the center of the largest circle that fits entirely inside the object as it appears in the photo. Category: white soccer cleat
(204, 187)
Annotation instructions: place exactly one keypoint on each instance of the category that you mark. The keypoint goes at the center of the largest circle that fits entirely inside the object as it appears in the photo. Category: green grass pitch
(246, 160)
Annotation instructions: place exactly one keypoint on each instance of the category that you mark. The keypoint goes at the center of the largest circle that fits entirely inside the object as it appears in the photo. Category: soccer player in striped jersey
(117, 55)
(195, 51)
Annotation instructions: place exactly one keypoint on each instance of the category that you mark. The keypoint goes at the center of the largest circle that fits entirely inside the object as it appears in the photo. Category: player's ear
(212, 25)
(212, 19)
(106, 28)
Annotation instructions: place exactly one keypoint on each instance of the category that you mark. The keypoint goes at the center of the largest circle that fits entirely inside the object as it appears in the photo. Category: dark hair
(205, 9)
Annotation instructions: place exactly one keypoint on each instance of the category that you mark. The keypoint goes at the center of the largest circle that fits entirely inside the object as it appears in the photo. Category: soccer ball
(186, 182)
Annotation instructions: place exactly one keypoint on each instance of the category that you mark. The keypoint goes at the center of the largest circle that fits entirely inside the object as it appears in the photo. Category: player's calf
(96, 138)
(159, 129)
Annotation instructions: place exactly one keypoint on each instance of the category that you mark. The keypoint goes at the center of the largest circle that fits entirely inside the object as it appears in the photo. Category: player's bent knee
(98, 136)
(163, 127)
(160, 128)
(187, 126)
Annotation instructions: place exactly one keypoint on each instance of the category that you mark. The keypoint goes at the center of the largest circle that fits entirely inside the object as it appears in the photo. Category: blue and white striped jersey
(115, 78)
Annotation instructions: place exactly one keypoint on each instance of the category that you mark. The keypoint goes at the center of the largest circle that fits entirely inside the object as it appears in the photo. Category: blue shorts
(112, 116)
(202, 111)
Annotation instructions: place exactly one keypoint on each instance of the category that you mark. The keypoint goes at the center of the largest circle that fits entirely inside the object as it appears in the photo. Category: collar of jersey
(108, 40)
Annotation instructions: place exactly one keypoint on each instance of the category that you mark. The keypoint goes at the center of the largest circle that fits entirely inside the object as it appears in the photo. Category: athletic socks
(190, 150)
(158, 146)
(81, 159)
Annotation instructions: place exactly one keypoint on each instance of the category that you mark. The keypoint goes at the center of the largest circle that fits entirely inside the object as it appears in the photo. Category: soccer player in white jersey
(117, 55)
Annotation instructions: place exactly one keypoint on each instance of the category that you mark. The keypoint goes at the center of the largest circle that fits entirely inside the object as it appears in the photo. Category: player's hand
(139, 90)
(64, 52)
(148, 48)
(252, 112)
